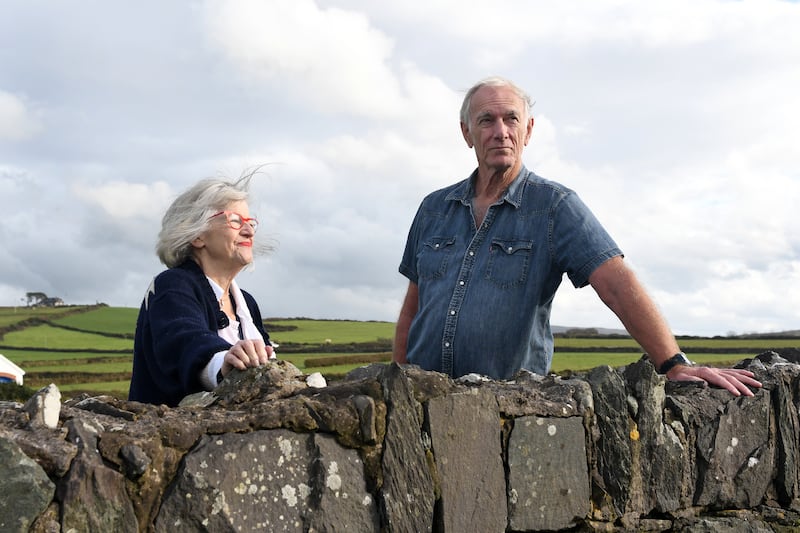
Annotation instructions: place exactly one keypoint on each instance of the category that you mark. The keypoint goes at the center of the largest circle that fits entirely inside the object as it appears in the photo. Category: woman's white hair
(188, 216)
(493, 81)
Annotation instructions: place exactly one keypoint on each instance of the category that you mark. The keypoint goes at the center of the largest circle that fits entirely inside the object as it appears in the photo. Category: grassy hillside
(89, 348)
(108, 320)
(305, 331)
(46, 337)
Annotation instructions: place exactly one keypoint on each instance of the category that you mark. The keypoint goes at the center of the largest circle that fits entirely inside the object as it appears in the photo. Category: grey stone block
(241, 482)
(339, 495)
(407, 491)
(467, 448)
(548, 478)
(25, 489)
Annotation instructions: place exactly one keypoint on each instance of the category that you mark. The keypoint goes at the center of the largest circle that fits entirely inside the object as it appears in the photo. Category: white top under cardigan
(208, 376)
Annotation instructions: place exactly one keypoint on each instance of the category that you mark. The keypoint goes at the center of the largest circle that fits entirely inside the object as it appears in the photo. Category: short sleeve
(579, 242)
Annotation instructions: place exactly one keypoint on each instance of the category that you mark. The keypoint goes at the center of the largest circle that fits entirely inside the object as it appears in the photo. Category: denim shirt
(485, 294)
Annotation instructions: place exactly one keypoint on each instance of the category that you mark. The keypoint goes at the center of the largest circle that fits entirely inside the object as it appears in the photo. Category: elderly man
(485, 256)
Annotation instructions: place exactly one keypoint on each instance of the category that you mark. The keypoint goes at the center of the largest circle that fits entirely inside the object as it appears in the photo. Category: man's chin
(501, 166)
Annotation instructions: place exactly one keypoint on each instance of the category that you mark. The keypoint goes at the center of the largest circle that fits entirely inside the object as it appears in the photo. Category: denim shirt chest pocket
(433, 257)
(509, 262)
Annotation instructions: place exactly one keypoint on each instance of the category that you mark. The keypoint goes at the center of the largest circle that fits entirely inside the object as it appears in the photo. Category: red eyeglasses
(236, 221)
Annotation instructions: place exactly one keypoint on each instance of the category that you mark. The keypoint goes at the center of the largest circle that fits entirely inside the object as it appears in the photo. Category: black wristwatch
(677, 359)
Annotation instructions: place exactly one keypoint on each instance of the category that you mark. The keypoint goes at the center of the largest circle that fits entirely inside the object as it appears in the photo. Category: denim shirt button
(447, 345)
(452, 313)
(471, 253)
(461, 282)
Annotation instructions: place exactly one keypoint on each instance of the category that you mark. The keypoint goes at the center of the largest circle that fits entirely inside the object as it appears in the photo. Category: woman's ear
(198, 243)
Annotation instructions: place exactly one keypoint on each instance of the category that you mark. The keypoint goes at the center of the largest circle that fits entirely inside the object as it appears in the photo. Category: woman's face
(223, 245)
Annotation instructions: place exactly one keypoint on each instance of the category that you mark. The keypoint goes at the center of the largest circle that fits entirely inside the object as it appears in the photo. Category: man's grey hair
(493, 81)
(188, 216)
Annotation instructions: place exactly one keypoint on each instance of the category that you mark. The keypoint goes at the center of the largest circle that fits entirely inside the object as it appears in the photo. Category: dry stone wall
(397, 449)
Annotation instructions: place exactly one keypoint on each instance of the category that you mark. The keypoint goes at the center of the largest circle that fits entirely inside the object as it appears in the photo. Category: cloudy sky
(677, 122)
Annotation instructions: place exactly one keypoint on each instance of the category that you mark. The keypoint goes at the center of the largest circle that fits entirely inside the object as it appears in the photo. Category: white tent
(9, 371)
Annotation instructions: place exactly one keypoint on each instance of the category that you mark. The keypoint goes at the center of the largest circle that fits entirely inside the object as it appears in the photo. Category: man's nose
(500, 130)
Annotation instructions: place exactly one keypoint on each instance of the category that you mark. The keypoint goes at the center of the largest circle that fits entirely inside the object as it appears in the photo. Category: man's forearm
(622, 292)
(407, 313)
(400, 341)
(618, 287)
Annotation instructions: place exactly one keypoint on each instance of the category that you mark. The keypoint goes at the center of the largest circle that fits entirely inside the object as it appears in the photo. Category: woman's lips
(246, 243)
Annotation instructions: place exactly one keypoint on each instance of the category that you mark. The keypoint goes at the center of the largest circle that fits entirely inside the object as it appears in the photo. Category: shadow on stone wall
(398, 449)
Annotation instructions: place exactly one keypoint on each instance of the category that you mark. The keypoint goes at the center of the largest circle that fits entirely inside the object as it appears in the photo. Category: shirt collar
(241, 306)
(464, 191)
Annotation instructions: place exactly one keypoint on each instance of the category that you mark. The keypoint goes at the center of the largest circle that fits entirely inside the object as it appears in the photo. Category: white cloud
(742, 298)
(653, 24)
(11, 296)
(331, 59)
(122, 199)
(17, 121)
(674, 121)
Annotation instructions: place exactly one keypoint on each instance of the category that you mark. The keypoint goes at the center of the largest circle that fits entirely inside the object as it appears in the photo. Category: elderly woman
(195, 324)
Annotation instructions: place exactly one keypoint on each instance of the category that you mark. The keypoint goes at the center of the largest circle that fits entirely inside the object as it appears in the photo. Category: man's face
(499, 128)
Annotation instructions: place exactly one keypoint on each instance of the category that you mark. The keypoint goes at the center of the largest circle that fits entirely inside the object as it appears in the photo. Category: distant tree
(35, 297)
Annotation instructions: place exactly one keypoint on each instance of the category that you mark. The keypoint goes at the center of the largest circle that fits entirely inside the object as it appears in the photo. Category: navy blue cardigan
(176, 335)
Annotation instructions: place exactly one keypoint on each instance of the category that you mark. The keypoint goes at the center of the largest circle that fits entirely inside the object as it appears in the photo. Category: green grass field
(686, 343)
(113, 320)
(26, 358)
(580, 361)
(13, 315)
(99, 345)
(118, 389)
(45, 336)
(331, 331)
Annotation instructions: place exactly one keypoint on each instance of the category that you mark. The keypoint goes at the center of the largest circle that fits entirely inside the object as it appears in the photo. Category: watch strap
(677, 359)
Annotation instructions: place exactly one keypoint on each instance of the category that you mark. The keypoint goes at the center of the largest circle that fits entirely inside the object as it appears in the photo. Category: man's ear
(529, 131)
(466, 134)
